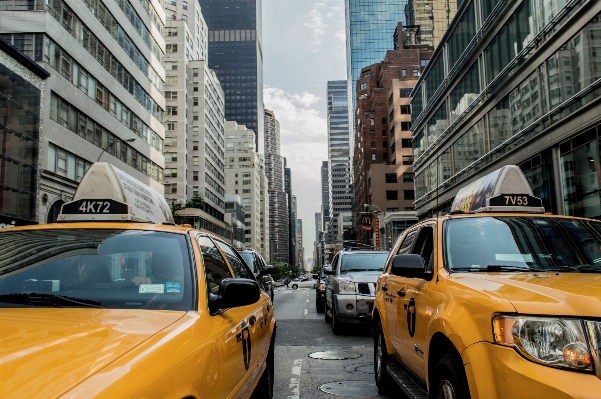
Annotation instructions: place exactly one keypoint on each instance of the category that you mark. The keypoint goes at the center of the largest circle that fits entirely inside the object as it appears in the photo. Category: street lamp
(129, 140)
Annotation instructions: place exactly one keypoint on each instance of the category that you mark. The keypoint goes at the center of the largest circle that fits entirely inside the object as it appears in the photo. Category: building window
(363, 86)
(406, 143)
(195, 72)
(171, 31)
(373, 144)
(372, 121)
(195, 145)
(171, 95)
(171, 188)
(405, 125)
(409, 194)
(171, 48)
(373, 156)
(403, 72)
(169, 110)
(407, 159)
(170, 126)
(392, 195)
(415, 72)
(391, 178)
(408, 177)
(195, 175)
(170, 156)
(424, 63)
(194, 100)
(195, 161)
(195, 116)
(405, 109)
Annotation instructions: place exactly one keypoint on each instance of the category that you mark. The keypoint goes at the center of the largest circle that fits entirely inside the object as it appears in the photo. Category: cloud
(317, 26)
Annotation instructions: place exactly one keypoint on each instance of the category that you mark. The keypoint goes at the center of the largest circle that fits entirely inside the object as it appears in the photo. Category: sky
(303, 47)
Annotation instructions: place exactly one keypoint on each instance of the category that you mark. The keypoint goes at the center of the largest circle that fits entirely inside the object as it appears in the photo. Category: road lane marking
(305, 312)
(307, 301)
(295, 381)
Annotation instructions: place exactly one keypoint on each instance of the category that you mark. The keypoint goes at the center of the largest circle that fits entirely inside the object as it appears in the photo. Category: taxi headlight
(550, 341)
(345, 287)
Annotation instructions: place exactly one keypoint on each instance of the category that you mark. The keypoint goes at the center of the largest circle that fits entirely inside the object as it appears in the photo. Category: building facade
(383, 177)
(291, 215)
(512, 92)
(104, 99)
(279, 213)
(194, 113)
(339, 153)
(433, 18)
(236, 55)
(234, 216)
(370, 26)
(245, 177)
(22, 85)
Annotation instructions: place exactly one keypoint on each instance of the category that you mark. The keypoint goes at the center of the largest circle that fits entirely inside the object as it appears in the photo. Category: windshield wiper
(492, 268)
(38, 299)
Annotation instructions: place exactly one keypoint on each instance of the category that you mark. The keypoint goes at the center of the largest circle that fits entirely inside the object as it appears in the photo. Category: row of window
(90, 42)
(568, 71)
(68, 116)
(62, 62)
(65, 164)
(392, 177)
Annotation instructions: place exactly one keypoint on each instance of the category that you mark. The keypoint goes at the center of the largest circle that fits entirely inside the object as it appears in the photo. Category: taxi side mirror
(328, 270)
(234, 292)
(409, 265)
(268, 270)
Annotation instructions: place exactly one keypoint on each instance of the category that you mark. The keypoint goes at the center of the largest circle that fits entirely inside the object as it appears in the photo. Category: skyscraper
(236, 55)
(370, 25)
(339, 155)
(279, 227)
(433, 18)
(325, 195)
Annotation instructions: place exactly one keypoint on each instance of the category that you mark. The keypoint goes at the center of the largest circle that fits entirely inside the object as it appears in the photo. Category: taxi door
(391, 287)
(231, 327)
(415, 306)
(253, 333)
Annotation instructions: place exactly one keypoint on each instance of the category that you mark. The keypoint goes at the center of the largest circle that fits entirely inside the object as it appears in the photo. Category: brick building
(383, 177)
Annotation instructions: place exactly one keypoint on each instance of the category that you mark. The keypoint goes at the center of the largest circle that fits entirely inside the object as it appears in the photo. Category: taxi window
(238, 267)
(407, 242)
(116, 269)
(251, 260)
(424, 246)
(522, 243)
(215, 267)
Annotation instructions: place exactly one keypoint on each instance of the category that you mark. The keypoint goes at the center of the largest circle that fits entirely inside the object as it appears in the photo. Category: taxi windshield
(116, 269)
(522, 243)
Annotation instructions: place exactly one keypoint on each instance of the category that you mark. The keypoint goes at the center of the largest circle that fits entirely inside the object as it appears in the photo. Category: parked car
(255, 261)
(302, 283)
(350, 286)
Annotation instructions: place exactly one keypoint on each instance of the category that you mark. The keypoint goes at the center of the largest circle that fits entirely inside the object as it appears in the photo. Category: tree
(176, 206)
(282, 271)
(316, 269)
(195, 202)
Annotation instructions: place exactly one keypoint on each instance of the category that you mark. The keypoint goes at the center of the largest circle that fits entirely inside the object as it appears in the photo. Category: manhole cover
(356, 389)
(335, 355)
(366, 368)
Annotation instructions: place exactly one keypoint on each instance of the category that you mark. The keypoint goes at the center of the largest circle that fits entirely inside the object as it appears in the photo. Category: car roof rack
(108, 194)
(504, 190)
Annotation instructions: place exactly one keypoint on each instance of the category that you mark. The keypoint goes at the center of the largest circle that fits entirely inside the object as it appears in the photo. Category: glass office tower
(370, 26)
(236, 56)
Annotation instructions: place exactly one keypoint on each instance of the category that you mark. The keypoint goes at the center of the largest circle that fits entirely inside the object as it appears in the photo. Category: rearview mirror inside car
(410, 265)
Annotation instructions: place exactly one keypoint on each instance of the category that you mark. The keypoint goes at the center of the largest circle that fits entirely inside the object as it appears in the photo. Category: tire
(264, 389)
(450, 381)
(320, 306)
(337, 326)
(294, 286)
(326, 309)
(384, 381)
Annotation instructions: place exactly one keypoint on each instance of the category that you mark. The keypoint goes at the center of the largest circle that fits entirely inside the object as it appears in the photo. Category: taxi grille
(365, 289)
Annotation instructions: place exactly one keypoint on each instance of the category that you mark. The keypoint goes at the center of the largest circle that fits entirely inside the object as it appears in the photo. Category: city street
(302, 332)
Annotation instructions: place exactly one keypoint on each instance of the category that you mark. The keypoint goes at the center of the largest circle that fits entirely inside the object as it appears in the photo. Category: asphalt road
(301, 331)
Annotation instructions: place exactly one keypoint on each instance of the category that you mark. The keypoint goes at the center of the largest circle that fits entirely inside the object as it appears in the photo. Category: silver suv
(350, 286)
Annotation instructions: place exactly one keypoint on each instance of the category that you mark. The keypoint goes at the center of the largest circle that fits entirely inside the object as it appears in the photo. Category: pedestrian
(287, 281)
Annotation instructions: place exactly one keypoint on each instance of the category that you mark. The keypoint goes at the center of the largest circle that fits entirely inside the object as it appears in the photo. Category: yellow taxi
(115, 301)
(498, 299)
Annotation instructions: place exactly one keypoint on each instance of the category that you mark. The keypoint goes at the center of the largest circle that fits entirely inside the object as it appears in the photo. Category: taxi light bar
(107, 193)
(504, 190)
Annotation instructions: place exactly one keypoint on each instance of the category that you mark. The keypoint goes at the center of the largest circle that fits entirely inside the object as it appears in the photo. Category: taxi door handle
(252, 320)
(401, 293)
(385, 288)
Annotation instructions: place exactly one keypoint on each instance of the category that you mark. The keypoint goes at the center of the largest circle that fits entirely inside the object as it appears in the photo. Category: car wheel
(450, 381)
(294, 286)
(381, 360)
(320, 306)
(336, 325)
(264, 389)
(328, 318)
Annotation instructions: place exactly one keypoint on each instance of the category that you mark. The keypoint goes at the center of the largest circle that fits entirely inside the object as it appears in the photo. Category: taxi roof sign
(107, 193)
(504, 190)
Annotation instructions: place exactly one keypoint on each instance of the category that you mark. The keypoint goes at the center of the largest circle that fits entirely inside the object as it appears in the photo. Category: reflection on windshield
(248, 258)
(534, 243)
(363, 262)
(113, 268)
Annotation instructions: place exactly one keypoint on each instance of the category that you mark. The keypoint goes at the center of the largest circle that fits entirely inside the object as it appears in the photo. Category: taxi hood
(546, 293)
(45, 352)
